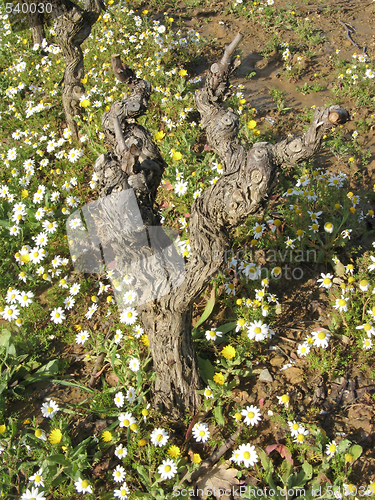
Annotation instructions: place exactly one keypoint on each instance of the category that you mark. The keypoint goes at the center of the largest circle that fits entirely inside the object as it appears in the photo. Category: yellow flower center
(167, 468)
(367, 327)
(50, 409)
(251, 414)
(84, 484)
(342, 302)
(332, 448)
(134, 427)
(300, 438)
(57, 315)
(246, 455)
(295, 427)
(159, 437)
(327, 281)
(321, 335)
(126, 422)
(129, 314)
(257, 330)
(202, 433)
(285, 398)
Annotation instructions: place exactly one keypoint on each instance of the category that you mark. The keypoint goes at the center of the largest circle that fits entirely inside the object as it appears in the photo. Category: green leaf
(355, 451)
(58, 459)
(218, 414)
(208, 309)
(5, 337)
(73, 384)
(143, 473)
(5, 224)
(209, 370)
(344, 445)
(308, 470)
(228, 327)
(268, 468)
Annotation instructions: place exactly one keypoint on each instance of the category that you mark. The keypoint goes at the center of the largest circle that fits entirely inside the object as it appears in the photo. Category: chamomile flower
(129, 316)
(82, 336)
(120, 451)
(25, 298)
(123, 492)
(252, 415)
(303, 349)
(257, 331)
(368, 328)
(74, 289)
(58, 315)
(321, 338)
(200, 432)
(284, 400)
(119, 399)
(341, 304)
(331, 449)
(33, 494)
(212, 334)
(247, 455)
(37, 478)
(371, 267)
(364, 285)
(126, 419)
(69, 303)
(134, 364)
(208, 393)
(49, 409)
(301, 436)
(167, 469)
(130, 395)
(325, 280)
(118, 336)
(295, 428)
(159, 437)
(91, 311)
(367, 344)
(138, 331)
(258, 230)
(118, 474)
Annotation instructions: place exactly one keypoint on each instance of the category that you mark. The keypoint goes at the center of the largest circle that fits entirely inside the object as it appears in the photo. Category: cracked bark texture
(73, 25)
(242, 190)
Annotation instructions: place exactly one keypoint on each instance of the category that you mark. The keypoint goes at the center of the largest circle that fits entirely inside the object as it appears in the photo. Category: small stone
(277, 360)
(265, 376)
(294, 375)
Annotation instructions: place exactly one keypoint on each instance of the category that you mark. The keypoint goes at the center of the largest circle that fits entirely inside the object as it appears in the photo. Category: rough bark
(242, 190)
(36, 22)
(73, 25)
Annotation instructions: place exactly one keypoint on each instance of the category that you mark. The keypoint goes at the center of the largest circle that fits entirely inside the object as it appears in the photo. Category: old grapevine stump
(73, 25)
(135, 162)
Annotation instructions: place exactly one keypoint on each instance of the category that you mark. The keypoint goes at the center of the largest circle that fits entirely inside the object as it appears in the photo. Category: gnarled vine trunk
(242, 189)
(73, 25)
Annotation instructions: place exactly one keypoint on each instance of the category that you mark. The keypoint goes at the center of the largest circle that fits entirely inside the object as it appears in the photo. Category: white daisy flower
(252, 415)
(159, 437)
(119, 399)
(49, 409)
(167, 469)
(118, 474)
(200, 432)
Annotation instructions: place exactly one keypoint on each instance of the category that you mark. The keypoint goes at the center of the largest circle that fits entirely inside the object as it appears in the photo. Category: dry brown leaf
(219, 480)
